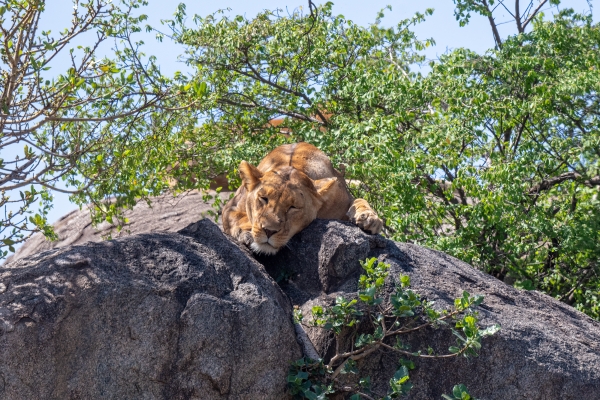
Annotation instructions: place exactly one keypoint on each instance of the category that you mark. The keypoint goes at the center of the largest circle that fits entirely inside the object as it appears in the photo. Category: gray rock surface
(191, 315)
(167, 213)
(154, 316)
(545, 350)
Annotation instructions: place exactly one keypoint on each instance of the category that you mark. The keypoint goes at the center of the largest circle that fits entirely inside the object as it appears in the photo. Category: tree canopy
(490, 157)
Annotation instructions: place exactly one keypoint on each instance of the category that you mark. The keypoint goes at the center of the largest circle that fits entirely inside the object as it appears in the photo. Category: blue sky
(441, 26)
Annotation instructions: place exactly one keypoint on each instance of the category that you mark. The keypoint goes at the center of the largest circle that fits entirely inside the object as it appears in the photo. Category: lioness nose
(269, 232)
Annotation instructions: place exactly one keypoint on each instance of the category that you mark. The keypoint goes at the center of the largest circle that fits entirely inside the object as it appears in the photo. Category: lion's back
(302, 156)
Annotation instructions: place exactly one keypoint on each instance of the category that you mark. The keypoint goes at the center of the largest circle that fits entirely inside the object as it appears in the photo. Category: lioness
(292, 185)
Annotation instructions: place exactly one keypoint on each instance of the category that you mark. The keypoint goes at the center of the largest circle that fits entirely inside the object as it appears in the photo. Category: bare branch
(493, 25)
(534, 13)
(518, 17)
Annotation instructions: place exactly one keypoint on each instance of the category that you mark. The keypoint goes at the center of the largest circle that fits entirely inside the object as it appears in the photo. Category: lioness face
(281, 204)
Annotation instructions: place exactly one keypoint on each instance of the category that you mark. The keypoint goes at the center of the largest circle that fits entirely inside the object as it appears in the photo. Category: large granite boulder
(165, 213)
(151, 316)
(191, 315)
(545, 349)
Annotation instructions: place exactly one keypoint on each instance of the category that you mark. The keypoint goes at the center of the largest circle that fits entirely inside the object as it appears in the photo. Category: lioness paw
(361, 214)
(246, 238)
(242, 236)
(368, 221)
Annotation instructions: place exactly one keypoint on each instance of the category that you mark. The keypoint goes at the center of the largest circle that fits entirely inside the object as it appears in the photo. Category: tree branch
(547, 184)
(534, 13)
(493, 25)
(518, 17)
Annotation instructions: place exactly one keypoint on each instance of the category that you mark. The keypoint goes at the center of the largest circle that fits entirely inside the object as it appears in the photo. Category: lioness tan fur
(292, 185)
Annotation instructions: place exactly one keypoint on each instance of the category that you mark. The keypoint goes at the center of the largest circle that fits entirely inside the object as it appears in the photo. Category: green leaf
(409, 364)
(490, 330)
(311, 395)
(459, 391)
(365, 382)
(405, 280)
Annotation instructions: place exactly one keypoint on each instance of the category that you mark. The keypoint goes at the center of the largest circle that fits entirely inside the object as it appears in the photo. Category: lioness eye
(291, 208)
(264, 200)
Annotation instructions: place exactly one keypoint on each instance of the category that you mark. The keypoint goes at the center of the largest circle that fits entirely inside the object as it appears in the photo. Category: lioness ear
(324, 187)
(250, 175)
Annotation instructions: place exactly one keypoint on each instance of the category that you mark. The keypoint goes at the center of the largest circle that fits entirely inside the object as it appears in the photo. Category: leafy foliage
(518, 178)
(491, 157)
(378, 323)
(77, 128)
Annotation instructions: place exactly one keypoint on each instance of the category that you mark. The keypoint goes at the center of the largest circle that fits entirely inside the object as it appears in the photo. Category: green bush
(379, 322)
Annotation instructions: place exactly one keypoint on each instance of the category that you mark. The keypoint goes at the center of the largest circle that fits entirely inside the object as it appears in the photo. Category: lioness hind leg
(364, 217)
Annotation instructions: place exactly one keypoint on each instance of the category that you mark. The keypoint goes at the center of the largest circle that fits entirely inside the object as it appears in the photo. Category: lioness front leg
(364, 217)
(237, 224)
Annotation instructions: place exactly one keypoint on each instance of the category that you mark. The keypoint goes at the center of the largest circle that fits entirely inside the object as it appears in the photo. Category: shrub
(379, 322)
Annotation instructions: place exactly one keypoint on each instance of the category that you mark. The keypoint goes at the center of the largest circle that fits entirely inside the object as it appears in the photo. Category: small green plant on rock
(459, 392)
(377, 321)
